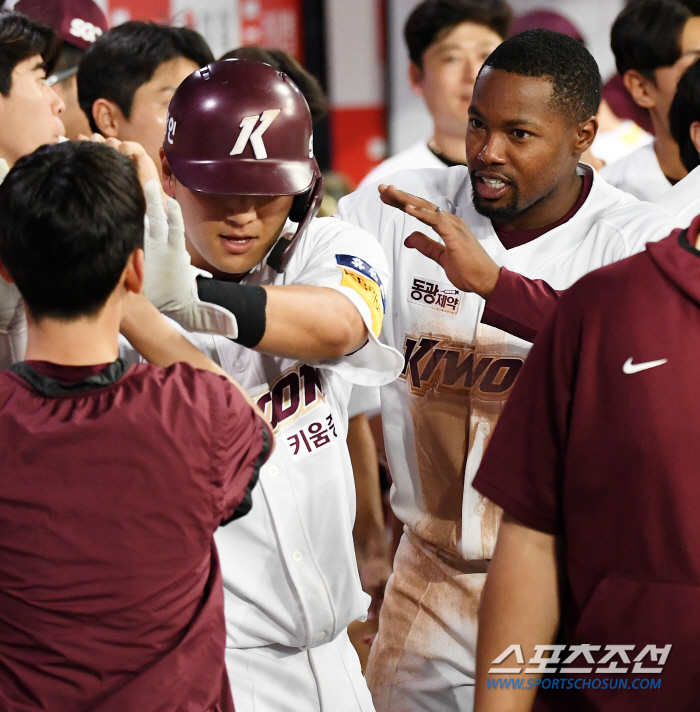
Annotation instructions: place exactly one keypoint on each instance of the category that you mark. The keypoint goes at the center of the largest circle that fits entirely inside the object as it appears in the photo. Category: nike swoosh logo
(630, 367)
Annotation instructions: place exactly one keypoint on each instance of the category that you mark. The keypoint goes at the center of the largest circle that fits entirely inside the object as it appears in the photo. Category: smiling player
(535, 210)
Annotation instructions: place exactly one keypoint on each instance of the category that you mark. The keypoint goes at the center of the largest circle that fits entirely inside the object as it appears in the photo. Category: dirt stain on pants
(424, 656)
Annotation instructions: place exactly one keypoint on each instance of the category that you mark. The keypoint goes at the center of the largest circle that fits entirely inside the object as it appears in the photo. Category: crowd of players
(177, 500)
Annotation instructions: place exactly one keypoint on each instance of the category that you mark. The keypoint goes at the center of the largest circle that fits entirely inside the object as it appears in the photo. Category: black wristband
(246, 302)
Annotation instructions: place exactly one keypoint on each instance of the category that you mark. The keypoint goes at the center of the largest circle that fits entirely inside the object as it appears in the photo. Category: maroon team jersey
(113, 481)
(599, 444)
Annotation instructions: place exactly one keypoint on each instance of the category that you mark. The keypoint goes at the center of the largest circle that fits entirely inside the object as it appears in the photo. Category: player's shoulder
(599, 290)
(610, 206)
(684, 197)
(623, 166)
(326, 244)
(184, 385)
(324, 230)
(416, 156)
(429, 183)
(327, 236)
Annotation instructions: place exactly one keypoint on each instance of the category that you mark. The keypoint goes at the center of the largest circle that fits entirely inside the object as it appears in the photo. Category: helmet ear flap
(299, 205)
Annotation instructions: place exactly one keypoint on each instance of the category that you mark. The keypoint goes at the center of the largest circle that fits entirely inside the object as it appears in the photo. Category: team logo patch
(436, 363)
(435, 295)
(363, 278)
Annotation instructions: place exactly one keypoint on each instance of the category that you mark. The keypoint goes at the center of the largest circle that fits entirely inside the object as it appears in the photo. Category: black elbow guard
(246, 302)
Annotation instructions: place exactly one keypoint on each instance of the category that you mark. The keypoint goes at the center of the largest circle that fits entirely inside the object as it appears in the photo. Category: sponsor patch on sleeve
(363, 279)
(435, 295)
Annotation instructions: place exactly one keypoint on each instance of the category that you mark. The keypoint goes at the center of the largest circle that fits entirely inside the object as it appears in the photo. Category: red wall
(157, 10)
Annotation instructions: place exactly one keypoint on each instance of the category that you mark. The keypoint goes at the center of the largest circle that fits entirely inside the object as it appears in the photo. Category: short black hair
(127, 56)
(432, 19)
(284, 62)
(692, 5)
(569, 66)
(685, 109)
(72, 213)
(20, 39)
(647, 35)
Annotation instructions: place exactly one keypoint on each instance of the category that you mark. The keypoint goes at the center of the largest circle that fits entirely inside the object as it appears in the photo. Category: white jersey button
(321, 638)
(273, 470)
(238, 366)
(297, 555)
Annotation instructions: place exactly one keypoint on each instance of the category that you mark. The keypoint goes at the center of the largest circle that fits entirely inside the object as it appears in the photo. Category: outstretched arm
(162, 345)
(519, 606)
(514, 303)
(307, 322)
(295, 321)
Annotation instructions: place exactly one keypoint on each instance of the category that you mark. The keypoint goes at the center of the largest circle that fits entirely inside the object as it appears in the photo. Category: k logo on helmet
(255, 136)
(240, 127)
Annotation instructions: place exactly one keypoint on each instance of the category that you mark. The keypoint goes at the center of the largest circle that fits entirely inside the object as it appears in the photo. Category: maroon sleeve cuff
(519, 305)
(523, 512)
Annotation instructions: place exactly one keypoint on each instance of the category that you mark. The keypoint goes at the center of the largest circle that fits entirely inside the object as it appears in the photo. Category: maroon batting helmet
(240, 127)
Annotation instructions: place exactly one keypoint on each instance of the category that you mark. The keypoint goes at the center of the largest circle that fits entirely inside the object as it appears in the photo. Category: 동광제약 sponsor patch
(435, 295)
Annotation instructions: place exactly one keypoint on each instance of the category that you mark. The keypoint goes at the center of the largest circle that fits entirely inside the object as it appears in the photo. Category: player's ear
(415, 78)
(134, 272)
(108, 117)
(695, 135)
(166, 175)
(585, 134)
(640, 88)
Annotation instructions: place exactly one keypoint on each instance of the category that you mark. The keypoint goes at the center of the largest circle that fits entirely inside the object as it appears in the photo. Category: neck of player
(450, 146)
(85, 341)
(667, 152)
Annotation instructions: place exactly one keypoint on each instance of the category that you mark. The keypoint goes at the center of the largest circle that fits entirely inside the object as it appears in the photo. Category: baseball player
(128, 76)
(77, 23)
(538, 220)
(114, 477)
(683, 200)
(654, 42)
(305, 300)
(29, 117)
(595, 462)
(447, 42)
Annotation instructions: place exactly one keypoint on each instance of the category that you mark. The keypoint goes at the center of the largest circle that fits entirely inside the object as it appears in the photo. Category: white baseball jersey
(289, 568)
(638, 173)
(414, 157)
(615, 144)
(683, 200)
(364, 400)
(458, 372)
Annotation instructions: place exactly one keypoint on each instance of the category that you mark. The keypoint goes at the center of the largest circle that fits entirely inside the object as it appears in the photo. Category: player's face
(228, 235)
(663, 89)
(149, 111)
(73, 117)
(450, 68)
(29, 115)
(519, 148)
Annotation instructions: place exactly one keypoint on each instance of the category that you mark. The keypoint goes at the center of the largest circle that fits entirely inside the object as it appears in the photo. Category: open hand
(466, 263)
